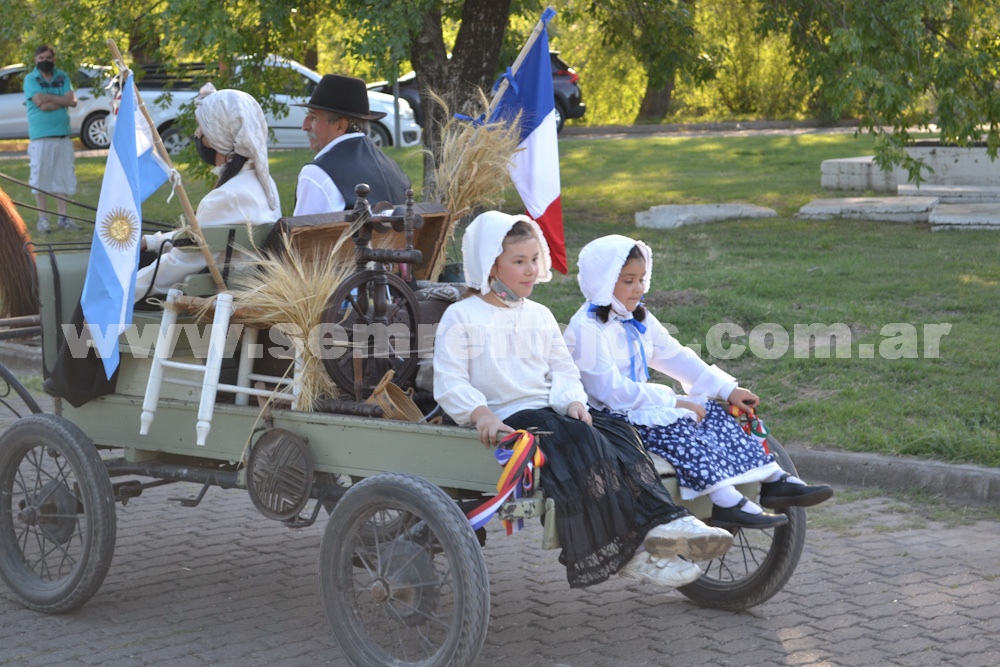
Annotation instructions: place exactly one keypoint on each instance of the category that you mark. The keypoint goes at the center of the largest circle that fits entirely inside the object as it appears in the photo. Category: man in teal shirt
(48, 92)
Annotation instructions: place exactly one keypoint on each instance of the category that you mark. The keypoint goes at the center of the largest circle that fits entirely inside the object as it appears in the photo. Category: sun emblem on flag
(119, 228)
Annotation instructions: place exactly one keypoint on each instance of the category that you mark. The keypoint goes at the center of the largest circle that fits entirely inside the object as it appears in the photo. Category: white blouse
(601, 352)
(240, 200)
(508, 359)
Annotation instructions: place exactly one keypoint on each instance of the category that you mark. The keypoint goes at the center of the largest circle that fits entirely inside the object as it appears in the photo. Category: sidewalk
(879, 584)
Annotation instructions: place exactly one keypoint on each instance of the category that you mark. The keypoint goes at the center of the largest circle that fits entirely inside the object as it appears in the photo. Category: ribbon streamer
(519, 455)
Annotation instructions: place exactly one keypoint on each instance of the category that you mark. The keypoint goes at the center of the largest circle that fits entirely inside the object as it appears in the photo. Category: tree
(902, 64)
(661, 36)
(392, 31)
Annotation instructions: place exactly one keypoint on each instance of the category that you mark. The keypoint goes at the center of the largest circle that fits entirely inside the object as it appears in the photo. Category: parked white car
(286, 130)
(87, 120)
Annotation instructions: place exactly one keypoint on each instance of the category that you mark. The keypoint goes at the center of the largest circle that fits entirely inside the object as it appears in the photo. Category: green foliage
(753, 73)
(903, 64)
(660, 35)
(612, 80)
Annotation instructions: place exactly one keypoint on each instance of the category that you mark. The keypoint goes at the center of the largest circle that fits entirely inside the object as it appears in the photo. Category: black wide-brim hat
(346, 95)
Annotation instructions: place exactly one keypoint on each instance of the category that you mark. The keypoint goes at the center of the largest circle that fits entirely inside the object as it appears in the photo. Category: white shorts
(50, 160)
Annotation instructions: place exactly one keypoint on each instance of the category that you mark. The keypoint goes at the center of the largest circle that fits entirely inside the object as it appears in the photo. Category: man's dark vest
(357, 161)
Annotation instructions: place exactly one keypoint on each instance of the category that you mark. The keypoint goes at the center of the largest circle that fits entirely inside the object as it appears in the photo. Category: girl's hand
(698, 410)
(744, 399)
(488, 425)
(578, 410)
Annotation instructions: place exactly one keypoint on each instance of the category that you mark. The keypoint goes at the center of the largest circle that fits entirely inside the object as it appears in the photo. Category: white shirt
(508, 359)
(316, 192)
(240, 200)
(601, 352)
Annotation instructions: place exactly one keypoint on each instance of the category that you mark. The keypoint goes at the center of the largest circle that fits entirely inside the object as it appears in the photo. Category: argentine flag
(133, 172)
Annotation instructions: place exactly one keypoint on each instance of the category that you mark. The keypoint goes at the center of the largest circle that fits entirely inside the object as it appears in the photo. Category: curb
(959, 483)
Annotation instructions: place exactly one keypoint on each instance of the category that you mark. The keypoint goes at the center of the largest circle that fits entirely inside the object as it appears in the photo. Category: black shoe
(735, 517)
(781, 494)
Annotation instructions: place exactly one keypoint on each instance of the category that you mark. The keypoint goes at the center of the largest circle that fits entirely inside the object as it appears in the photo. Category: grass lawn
(888, 388)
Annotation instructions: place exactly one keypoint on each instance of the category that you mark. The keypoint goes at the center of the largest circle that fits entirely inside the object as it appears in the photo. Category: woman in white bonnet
(232, 137)
(615, 340)
(500, 364)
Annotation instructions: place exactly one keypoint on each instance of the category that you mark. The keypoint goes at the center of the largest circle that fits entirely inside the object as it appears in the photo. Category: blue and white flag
(133, 172)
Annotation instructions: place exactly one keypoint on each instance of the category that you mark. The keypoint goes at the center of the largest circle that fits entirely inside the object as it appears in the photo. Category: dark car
(565, 86)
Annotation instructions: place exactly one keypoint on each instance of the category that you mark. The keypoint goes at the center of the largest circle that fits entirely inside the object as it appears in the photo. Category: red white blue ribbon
(519, 455)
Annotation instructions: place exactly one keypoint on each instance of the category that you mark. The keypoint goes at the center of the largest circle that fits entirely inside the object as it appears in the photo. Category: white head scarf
(602, 260)
(483, 243)
(233, 122)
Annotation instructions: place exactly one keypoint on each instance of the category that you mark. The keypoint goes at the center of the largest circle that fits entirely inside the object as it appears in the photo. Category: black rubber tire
(560, 117)
(759, 563)
(56, 564)
(174, 140)
(94, 131)
(379, 135)
(439, 610)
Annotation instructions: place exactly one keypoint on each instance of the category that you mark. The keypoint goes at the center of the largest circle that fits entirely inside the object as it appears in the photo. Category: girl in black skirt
(500, 364)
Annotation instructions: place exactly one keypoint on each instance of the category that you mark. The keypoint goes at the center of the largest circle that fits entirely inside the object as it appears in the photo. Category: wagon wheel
(57, 514)
(9, 383)
(355, 302)
(396, 592)
(758, 564)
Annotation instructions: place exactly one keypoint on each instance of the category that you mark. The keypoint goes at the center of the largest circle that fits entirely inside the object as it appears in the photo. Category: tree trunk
(656, 102)
(473, 65)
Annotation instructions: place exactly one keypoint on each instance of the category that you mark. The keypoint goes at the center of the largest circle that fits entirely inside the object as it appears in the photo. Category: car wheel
(174, 140)
(560, 117)
(379, 135)
(94, 131)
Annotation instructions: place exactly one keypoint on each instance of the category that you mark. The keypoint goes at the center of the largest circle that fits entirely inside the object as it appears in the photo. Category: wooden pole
(532, 38)
(161, 150)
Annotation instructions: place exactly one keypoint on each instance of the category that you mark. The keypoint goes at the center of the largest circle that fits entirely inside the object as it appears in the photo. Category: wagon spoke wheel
(354, 307)
(403, 579)
(758, 564)
(57, 514)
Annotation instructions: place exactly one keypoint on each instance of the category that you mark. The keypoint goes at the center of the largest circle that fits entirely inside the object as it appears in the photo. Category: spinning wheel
(375, 342)
(375, 310)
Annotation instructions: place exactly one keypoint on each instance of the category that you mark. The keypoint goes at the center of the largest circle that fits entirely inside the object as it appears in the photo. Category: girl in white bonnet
(615, 340)
(500, 364)
(232, 138)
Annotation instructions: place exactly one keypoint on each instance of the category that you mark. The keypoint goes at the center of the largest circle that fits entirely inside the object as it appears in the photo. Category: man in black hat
(337, 126)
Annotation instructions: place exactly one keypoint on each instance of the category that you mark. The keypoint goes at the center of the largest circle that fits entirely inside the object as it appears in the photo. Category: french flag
(534, 169)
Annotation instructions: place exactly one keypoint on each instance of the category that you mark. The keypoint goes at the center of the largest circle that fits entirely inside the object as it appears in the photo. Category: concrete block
(671, 216)
(947, 165)
(966, 216)
(952, 194)
(888, 209)
(857, 174)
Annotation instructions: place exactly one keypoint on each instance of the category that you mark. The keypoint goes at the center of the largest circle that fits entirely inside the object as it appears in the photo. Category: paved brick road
(878, 584)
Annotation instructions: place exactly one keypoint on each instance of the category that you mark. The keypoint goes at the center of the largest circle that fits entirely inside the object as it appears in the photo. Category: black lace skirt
(607, 494)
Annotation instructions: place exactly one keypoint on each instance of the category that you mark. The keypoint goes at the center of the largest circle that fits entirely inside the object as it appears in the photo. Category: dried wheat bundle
(289, 291)
(472, 173)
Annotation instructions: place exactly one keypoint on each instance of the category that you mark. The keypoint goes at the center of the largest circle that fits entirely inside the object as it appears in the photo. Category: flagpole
(178, 186)
(532, 38)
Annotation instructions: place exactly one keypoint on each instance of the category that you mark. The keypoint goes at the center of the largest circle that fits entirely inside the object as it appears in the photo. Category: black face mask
(46, 66)
(206, 153)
